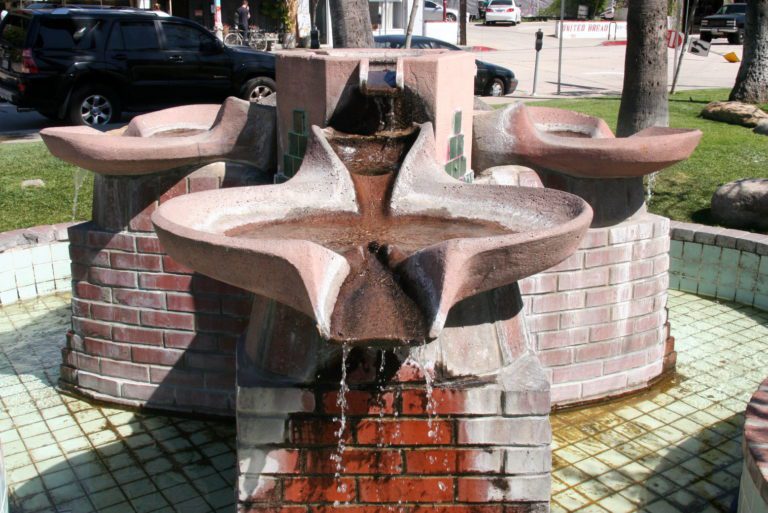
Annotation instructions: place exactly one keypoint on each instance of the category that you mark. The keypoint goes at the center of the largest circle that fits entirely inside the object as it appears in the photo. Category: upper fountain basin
(576, 144)
(375, 254)
(237, 131)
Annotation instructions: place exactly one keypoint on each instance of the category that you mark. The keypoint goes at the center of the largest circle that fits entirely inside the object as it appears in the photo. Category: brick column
(457, 425)
(146, 330)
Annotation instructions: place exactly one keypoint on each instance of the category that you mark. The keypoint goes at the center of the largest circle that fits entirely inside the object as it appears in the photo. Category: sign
(699, 47)
(674, 39)
(592, 29)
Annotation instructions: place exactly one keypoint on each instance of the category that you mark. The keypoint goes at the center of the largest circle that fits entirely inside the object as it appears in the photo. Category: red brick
(207, 399)
(210, 286)
(406, 489)
(153, 394)
(107, 349)
(81, 308)
(172, 266)
(313, 431)
(190, 303)
(318, 489)
(173, 320)
(171, 376)
(353, 508)
(79, 272)
(555, 357)
(99, 384)
(177, 282)
(115, 313)
(360, 402)
(140, 298)
(448, 401)
(220, 380)
(136, 261)
(177, 189)
(125, 370)
(156, 355)
(597, 351)
(577, 372)
(623, 363)
(87, 363)
(111, 277)
(210, 362)
(585, 317)
(85, 328)
(142, 222)
(639, 341)
(88, 291)
(190, 340)
(203, 183)
(255, 508)
(563, 338)
(272, 461)
(138, 335)
(612, 330)
(404, 432)
(445, 508)
(107, 240)
(221, 324)
(355, 461)
(149, 245)
(87, 256)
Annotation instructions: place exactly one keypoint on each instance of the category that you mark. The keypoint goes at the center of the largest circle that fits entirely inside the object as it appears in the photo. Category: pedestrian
(157, 7)
(243, 15)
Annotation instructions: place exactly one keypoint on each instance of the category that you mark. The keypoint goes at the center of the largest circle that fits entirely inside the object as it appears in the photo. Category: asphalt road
(589, 69)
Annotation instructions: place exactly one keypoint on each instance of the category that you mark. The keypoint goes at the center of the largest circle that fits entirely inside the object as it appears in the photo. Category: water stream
(341, 402)
(79, 177)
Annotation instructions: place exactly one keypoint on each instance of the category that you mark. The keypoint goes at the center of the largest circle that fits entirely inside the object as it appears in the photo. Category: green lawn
(23, 208)
(726, 152)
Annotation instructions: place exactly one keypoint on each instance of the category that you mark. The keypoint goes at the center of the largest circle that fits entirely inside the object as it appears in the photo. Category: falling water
(341, 402)
(650, 184)
(79, 176)
(382, 401)
(425, 367)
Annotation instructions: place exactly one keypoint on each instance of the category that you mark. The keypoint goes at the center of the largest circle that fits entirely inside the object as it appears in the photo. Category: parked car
(87, 65)
(502, 11)
(433, 11)
(728, 22)
(491, 80)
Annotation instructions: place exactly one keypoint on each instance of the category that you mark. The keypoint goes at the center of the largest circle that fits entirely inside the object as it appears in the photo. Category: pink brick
(583, 279)
(649, 322)
(107, 349)
(114, 278)
(555, 357)
(558, 302)
(651, 287)
(607, 256)
(650, 248)
(585, 317)
(563, 338)
(115, 313)
(540, 323)
(609, 295)
(641, 269)
(603, 385)
(125, 370)
(175, 282)
(138, 335)
(178, 189)
(661, 264)
(644, 374)
(539, 283)
(595, 237)
(632, 231)
(577, 372)
(173, 320)
(136, 261)
(565, 392)
(640, 341)
(106, 240)
(597, 351)
(190, 340)
(156, 355)
(611, 330)
(634, 308)
(624, 363)
(203, 183)
(149, 245)
(573, 262)
(98, 383)
(140, 298)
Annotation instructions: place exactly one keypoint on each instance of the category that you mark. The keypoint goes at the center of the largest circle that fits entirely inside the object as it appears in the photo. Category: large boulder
(761, 128)
(742, 204)
(735, 113)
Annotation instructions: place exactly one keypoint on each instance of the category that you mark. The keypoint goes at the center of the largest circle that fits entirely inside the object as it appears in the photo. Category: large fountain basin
(237, 131)
(534, 229)
(575, 144)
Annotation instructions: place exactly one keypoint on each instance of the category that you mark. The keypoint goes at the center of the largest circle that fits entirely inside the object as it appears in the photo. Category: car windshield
(500, 2)
(67, 33)
(733, 9)
(14, 30)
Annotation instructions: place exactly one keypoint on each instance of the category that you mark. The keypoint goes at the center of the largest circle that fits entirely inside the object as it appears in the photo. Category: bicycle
(258, 39)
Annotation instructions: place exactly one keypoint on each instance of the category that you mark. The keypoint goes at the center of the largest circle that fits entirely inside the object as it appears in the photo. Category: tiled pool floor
(676, 448)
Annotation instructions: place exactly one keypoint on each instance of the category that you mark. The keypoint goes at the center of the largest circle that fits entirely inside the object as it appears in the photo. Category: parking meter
(539, 40)
(538, 46)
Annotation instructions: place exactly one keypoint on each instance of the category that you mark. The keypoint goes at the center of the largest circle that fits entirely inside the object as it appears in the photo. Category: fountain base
(419, 428)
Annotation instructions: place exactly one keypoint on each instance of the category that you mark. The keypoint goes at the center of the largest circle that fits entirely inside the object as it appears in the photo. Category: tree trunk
(351, 24)
(644, 95)
(752, 80)
(462, 22)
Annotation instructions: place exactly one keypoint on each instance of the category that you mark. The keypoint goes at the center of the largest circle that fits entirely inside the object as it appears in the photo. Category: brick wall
(753, 492)
(599, 319)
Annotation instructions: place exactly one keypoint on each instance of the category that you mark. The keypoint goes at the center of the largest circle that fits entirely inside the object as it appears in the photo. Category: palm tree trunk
(644, 95)
(351, 24)
(752, 80)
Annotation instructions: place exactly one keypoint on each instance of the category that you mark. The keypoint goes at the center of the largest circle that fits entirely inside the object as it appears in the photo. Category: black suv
(728, 22)
(87, 65)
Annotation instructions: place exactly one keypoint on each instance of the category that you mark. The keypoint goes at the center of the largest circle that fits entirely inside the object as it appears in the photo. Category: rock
(481, 105)
(761, 128)
(32, 184)
(518, 176)
(735, 113)
(742, 204)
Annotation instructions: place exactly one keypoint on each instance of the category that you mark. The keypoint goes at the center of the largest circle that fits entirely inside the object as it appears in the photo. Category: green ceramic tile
(457, 122)
(692, 251)
(730, 257)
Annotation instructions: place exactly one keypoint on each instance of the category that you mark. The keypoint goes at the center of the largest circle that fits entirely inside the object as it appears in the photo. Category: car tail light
(28, 64)
(511, 9)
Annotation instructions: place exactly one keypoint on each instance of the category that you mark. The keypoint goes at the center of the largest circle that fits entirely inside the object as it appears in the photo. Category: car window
(14, 30)
(183, 37)
(429, 5)
(139, 35)
(500, 2)
(733, 9)
(67, 33)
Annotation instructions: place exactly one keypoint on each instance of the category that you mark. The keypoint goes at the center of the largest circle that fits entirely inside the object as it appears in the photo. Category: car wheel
(496, 87)
(94, 106)
(450, 17)
(258, 88)
(706, 37)
(512, 23)
(737, 38)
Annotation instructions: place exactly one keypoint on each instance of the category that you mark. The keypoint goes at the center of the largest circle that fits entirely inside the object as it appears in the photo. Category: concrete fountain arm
(238, 131)
(575, 144)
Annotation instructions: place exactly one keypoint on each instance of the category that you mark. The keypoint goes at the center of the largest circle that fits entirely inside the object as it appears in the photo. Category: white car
(502, 10)
(433, 11)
